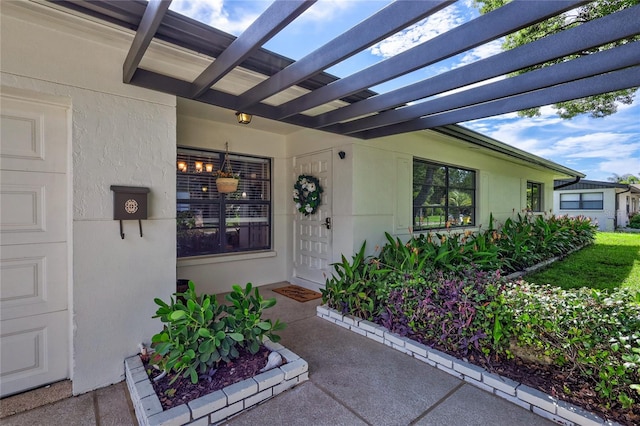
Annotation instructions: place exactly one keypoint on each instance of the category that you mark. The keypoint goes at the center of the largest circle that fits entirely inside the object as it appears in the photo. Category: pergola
(346, 105)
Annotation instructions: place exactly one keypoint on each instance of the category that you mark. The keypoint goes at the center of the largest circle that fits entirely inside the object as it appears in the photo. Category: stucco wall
(121, 135)
(604, 217)
(378, 176)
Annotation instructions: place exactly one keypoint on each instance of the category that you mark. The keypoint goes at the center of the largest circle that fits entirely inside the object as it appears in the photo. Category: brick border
(219, 405)
(528, 398)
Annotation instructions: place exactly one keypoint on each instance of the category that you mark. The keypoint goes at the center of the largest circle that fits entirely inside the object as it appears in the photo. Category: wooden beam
(604, 83)
(384, 23)
(277, 16)
(504, 20)
(610, 28)
(151, 19)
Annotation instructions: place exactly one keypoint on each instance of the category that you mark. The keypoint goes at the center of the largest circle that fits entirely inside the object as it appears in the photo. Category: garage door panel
(33, 279)
(34, 351)
(29, 132)
(31, 203)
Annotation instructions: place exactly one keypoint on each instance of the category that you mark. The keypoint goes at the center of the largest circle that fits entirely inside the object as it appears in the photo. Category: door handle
(327, 223)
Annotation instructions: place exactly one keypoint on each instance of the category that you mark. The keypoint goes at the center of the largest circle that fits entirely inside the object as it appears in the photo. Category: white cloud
(436, 24)
(215, 13)
(621, 167)
(481, 52)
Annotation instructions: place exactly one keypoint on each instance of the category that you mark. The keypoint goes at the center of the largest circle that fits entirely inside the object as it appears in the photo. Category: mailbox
(129, 203)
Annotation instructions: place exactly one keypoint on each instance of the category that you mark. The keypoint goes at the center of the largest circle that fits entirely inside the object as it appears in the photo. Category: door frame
(293, 278)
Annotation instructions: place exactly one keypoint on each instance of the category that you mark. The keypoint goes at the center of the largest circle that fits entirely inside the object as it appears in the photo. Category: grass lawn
(612, 262)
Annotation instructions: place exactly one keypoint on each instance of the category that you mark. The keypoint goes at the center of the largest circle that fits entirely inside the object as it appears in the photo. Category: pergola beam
(504, 20)
(277, 16)
(604, 83)
(610, 28)
(384, 23)
(586, 66)
(151, 19)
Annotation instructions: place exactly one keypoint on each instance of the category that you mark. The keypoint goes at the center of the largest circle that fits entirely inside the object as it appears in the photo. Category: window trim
(474, 197)
(222, 202)
(581, 201)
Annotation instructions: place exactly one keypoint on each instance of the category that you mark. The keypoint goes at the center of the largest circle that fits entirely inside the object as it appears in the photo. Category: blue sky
(597, 147)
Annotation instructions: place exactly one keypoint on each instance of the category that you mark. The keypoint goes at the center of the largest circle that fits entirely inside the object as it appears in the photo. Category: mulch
(182, 390)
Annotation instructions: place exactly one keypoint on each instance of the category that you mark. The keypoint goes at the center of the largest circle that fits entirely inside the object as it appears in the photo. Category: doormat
(298, 293)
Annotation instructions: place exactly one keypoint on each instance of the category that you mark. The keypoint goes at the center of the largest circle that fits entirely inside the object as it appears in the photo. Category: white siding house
(71, 129)
(610, 204)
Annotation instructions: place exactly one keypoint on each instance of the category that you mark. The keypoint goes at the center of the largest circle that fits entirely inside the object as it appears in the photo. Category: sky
(598, 147)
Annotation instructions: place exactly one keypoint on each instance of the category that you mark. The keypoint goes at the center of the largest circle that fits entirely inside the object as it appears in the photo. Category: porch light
(243, 117)
(182, 166)
(198, 165)
(208, 167)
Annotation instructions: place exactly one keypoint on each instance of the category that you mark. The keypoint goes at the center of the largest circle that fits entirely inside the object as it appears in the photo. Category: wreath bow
(306, 194)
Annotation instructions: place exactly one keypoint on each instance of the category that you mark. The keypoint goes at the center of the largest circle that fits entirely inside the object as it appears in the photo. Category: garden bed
(518, 393)
(219, 405)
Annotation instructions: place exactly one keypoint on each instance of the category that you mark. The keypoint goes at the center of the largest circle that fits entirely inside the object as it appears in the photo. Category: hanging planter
(226, 185)
(227, 181)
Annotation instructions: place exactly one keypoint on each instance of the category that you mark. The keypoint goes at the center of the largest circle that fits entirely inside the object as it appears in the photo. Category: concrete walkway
(352, 381)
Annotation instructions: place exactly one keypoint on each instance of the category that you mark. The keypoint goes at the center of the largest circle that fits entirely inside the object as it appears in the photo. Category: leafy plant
(199, 333)
(635, 221)
(195, 335)
(592, 334)
(352, 289)
(245, 317)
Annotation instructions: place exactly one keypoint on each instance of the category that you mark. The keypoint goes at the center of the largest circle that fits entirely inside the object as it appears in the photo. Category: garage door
(34, 318)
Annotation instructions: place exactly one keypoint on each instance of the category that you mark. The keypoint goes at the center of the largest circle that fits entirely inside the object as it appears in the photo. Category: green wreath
(306, 194)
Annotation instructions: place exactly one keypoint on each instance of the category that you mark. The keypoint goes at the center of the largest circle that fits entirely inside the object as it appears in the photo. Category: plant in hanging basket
(226, 184)
(227, 180)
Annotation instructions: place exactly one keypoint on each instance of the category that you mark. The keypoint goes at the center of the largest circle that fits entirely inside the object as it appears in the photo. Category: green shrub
(352, 290)
(590, 333)
(244, 316)
(635, 221)
(198, 332)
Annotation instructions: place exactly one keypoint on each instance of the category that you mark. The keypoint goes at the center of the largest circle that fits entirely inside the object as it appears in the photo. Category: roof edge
(468, 135)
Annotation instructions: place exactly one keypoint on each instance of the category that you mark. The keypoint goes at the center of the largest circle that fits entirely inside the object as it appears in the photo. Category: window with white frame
(209, 222)
(582, 201)
(442, 195)
(534, 197)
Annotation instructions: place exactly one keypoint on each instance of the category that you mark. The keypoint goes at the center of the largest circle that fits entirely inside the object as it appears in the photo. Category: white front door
(34, 319)
(312, 234)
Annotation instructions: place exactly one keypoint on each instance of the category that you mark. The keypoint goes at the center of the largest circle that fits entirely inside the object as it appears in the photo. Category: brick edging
(526, 397)
(219, 405)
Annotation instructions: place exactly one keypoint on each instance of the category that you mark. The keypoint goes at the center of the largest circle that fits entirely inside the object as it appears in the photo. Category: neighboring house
(610, 204)
(77, 298)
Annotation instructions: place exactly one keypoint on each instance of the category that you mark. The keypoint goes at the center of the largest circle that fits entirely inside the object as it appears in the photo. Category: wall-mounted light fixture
(208, 167)
(342, 154)
(243, 117)
(182, 166)
(198, 166)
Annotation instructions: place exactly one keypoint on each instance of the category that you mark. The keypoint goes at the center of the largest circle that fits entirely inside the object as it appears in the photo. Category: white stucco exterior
(125, 135)
(121, 135)
(620, 202)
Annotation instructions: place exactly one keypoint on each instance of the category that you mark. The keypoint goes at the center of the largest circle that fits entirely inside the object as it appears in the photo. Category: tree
(597, 106)
(627, 178)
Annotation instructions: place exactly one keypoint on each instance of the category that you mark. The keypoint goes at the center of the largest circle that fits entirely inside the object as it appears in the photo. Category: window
(582, 201)
(534, 197)
(208, 222)
(442, 195)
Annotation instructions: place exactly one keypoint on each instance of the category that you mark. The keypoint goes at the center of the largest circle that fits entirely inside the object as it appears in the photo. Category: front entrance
(34, 333)
(312, 234)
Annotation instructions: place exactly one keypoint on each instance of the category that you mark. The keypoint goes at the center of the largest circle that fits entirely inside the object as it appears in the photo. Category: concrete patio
(353, 381)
